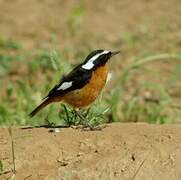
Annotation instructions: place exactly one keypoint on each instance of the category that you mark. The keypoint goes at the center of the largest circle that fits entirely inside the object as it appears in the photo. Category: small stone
(56, 130)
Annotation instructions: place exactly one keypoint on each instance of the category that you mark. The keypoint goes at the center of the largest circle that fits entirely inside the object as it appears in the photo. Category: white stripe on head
(65, 86)
(89, 64)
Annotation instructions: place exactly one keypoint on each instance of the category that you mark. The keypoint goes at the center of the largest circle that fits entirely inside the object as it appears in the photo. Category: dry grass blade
(12, 148)
(138, 169)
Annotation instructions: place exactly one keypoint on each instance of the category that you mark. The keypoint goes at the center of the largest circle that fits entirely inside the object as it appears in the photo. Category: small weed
(95, 115)
(1, 167)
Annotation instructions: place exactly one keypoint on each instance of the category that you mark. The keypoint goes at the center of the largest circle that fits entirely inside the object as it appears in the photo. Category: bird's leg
(75, 115)
(67, 115)
(86, 124)
(81, 117)
(48, 123)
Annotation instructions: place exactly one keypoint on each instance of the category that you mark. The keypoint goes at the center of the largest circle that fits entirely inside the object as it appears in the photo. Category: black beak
(114, 53)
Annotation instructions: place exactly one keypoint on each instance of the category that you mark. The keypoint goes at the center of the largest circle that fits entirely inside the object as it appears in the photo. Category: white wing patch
(89, 65)
(65, 85)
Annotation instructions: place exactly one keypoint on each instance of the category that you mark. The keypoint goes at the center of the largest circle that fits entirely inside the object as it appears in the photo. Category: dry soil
(119, 151)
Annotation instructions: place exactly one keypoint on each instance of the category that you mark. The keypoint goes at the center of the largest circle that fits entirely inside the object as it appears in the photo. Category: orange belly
(85, 96)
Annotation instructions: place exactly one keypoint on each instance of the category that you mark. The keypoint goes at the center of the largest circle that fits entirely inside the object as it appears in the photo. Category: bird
(81, 87)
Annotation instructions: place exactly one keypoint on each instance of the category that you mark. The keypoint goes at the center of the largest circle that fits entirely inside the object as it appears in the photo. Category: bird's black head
(98, 58)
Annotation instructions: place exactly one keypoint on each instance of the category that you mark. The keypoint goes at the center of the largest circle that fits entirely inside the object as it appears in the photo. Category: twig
(44, 126)
(28, 177)
(137, 171)
(12, 148)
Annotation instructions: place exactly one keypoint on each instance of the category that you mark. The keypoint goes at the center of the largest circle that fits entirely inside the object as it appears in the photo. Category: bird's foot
(85, 125)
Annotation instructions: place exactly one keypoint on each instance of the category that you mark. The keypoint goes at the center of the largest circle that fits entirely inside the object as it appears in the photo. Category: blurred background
(42, 39)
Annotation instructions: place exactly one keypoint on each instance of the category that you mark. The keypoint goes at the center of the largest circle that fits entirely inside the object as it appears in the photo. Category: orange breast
(85, 96)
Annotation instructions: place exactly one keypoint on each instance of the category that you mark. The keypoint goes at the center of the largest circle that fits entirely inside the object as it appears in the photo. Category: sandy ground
(119, 151)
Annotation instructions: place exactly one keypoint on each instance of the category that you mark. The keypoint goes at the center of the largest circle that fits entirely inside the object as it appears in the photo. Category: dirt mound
(120, 151)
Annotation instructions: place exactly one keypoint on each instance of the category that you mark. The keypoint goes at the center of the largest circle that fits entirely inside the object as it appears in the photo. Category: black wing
(79, 78)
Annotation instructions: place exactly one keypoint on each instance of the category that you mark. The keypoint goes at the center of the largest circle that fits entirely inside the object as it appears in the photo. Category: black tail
(41, 106)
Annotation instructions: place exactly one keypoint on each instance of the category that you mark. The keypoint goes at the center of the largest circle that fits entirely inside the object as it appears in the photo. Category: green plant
(133, 105)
